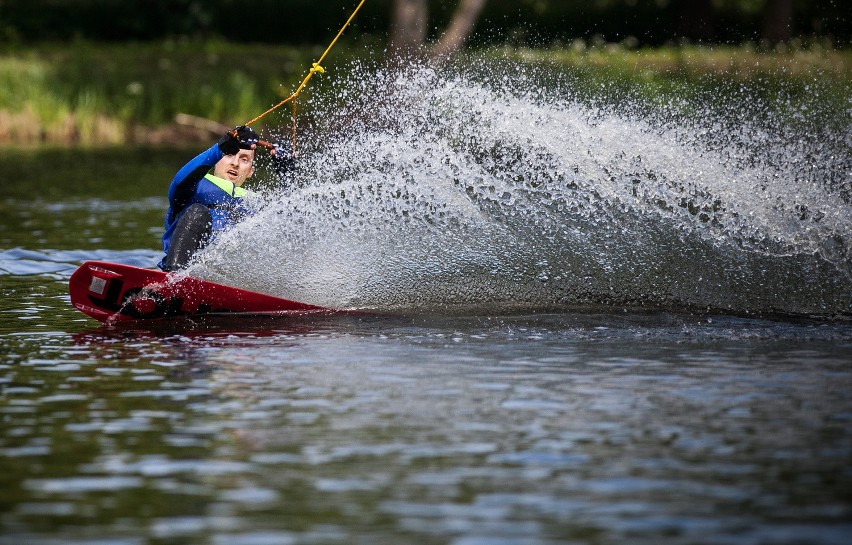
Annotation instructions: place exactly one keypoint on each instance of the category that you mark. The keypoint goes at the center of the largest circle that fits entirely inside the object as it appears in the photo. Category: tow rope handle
(262, 143)
(315, 68)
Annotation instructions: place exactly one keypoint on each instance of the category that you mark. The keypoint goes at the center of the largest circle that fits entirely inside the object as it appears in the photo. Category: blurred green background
(523, 22)
(112, 72)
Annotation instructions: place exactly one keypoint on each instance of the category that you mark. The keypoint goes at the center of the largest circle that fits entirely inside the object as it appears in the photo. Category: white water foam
(428, 191)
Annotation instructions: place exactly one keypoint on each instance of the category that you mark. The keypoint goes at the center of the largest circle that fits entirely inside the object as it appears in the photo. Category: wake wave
(490, 193)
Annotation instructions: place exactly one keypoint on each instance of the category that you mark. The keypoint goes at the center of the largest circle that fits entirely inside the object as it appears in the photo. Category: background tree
(409, 29)
(409, 20)
(534, 23)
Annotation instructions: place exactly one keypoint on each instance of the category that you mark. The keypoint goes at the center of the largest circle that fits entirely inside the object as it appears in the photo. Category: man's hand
(241, 137)
(283, 159)
(279, 151)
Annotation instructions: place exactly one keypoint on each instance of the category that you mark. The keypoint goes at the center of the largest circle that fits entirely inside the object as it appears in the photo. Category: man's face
(236, 168)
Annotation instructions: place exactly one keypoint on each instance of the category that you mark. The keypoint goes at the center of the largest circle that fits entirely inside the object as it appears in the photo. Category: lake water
(692, 388)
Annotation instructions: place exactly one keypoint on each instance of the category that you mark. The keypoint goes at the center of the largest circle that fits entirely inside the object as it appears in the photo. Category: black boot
(192, 233)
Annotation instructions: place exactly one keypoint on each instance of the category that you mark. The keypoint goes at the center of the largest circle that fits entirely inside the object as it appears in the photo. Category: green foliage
(687, 81)
(97, 94)
(654, 22)
(295, 22)
(298, 22)
(64, 92)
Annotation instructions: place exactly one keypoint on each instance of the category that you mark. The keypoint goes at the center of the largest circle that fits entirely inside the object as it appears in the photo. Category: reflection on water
(599, 428)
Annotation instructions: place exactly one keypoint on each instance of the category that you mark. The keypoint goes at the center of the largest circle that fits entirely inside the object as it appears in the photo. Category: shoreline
(157, 94)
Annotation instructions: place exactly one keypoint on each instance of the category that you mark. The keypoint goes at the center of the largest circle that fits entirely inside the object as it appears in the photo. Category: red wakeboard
(111, 292)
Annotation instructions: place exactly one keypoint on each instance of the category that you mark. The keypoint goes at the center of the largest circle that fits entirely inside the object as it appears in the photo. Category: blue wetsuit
(192, 184)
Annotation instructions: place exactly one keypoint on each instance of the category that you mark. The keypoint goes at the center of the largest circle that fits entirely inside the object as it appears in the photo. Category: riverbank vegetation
(96, 94)
(99, 94)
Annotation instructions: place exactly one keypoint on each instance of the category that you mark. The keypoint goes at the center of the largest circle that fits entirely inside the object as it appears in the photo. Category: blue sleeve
(186, 180)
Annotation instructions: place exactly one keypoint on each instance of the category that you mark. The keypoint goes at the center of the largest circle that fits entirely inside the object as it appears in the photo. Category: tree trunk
(459, 29)
(777, 21)
(409, 23)
(408, 28)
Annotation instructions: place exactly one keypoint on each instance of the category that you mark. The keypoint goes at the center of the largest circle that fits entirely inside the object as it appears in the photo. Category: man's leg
(192, 233)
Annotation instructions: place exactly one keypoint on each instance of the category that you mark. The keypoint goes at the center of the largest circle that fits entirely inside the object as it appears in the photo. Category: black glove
(245, 138)
(283, 161)
(283, 165)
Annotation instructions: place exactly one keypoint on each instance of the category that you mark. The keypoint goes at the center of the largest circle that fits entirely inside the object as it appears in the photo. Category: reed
(130, 93)
(127, 93)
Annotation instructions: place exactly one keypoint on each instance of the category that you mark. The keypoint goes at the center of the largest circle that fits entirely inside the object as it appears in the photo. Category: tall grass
(96, 94)
(674, 70)
(107, 94)
(807, 87)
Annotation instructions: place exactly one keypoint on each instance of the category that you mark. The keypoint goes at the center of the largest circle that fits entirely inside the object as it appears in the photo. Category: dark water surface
(594, 428)
(591, 427)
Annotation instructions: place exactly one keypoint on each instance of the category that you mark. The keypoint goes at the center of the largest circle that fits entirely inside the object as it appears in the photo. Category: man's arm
(185, 181)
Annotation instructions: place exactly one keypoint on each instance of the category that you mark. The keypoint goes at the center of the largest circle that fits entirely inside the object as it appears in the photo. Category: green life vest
(227, 186)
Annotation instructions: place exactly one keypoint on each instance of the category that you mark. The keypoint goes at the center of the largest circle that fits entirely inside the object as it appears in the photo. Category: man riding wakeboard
(203, 203)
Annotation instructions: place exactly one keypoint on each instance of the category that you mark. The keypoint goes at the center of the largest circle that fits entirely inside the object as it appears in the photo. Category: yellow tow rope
(315, 68)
